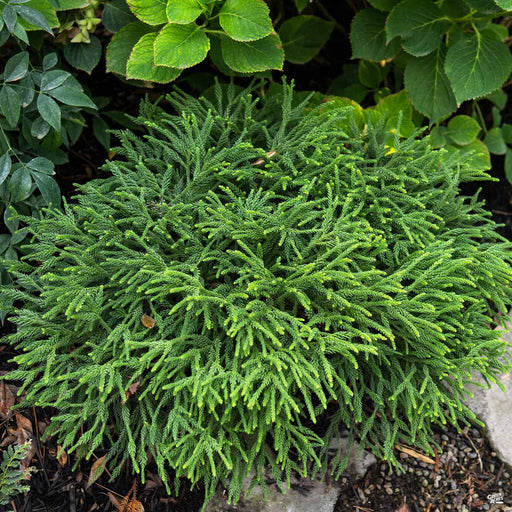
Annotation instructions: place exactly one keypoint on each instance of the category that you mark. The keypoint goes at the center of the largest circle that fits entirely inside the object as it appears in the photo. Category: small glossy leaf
(429, 87)
(20, 184)
(21, 33)
(10, 17)
(368, 37)
(52, 79)
(183, 11)
(121, 46)
(116, 15)
(462, 129)
(34, 17)
(495, 142)
(436, 137)
(49, 61)
(70, 95)
(141, 63)
(508, 165)
(41, 164)
(253, 56)
(39, 128)
(10, 104)
(84, 56)
(181, 46)
(151, 12)
(48, 188)
(245, 20)
(303, 37)
(5, 166)
(421, 24)
(16, 67)
(10, 222)
(49, 110)
(26, 91)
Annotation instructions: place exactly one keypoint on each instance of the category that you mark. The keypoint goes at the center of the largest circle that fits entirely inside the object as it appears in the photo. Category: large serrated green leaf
(121, 46)
(504, 4)
(428, 86)
(477, 65)
(390, 107)
(253, 56)
(151, 12)
(368, 37)
(141, 64)
(303, 37)
(383, 5)
(421, 24)
(485, 6)
(245, 20)
(183, 11)
(181, 46)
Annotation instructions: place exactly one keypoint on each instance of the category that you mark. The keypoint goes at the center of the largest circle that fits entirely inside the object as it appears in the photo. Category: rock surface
(305, 495)
(494, 408)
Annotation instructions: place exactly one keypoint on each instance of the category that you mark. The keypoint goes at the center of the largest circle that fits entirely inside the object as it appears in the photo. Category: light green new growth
(302, 282)
(11, 476)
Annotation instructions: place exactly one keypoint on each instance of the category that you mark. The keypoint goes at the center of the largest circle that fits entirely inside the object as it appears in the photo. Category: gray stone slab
(305, 495)
(494, 408)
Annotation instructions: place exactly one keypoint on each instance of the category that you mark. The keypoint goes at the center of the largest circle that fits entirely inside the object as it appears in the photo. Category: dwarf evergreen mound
(252, 280)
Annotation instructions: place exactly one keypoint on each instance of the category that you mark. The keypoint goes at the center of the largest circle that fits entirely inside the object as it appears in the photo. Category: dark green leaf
(141, 63)
(181, 46)
(34, 17)
(245, 20)
(11, 223)
(10, 104)
(301, 4)
(498, 97)
(49, 61)
(68, 5)
(116, 15)
(506, 129)
(70, 95)
(21, 33)
(495, 142)
(48, 188)
(508, 165)
(41, 164)
(10, 17)
(39, 128)
(504, 4)
(121, 46)
(5, 241)
(26, 91)
(368, 37)
(253, 56)
(5, 166)
(429, 87)
(485, 6)
(52, 79)
(303, 37)
(84, 56)
(370, 74)
(49, 110)
(20, 184)
(16, 67)
(477, 65)
(421, 24)
(100, 129)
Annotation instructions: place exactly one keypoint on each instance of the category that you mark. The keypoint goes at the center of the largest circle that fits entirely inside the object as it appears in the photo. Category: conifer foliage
(255, 278)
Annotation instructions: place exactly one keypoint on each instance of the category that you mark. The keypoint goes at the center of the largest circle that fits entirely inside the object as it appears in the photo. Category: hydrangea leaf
(183, 11)
(245, 20)
(152, 12)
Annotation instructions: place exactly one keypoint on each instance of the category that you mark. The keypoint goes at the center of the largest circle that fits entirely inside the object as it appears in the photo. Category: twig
(477, 452)
(500, 212)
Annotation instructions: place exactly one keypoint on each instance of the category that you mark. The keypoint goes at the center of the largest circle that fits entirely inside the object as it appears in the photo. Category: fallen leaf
(415, 454)
(404, 507)
(130, 502)
(114, 500)
(147, 321)
(24, 423)
(96, 470)
(7, 400)
(62, 456)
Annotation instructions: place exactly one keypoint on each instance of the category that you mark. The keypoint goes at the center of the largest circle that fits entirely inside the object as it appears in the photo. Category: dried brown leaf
(132, 389)
(96, 470)
(7, 400)
(147, 321)
(403, 507)
(62, 456)
(115, 502)
(130, 502)
(24, 423)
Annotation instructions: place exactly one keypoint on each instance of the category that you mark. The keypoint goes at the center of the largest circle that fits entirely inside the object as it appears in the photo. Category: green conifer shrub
(253, 279)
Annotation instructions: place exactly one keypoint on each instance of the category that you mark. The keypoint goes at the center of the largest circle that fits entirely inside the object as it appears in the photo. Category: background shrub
(249, 270)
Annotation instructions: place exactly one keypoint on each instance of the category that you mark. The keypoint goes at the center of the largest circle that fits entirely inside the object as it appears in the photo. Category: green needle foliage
(11, 475)
(254, 279)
